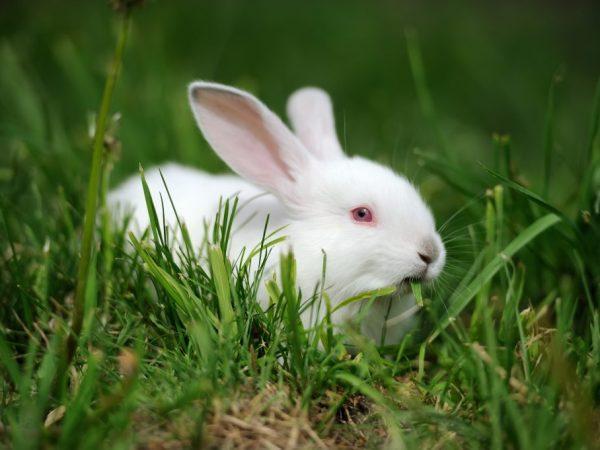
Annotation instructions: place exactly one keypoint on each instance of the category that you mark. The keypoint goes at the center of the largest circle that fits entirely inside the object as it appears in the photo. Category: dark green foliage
(508, 351)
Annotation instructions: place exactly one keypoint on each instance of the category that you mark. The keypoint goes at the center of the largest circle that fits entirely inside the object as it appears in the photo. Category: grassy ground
(148, 350)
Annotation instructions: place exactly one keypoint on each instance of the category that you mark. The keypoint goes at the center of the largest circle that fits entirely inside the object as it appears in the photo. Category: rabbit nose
(425, 258)
(429, 251)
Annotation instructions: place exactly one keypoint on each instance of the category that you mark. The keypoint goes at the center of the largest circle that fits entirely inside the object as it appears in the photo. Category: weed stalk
(91, 204)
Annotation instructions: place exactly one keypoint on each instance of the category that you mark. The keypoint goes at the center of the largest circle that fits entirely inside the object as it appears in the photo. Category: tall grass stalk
(91, 204)
(549, 133)
(460, 299)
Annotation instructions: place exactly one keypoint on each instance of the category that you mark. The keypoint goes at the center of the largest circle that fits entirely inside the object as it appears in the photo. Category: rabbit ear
(249, 137)
(311, 114)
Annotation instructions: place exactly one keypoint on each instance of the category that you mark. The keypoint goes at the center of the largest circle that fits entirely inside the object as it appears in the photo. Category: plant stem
(107, 235)
(91, 204)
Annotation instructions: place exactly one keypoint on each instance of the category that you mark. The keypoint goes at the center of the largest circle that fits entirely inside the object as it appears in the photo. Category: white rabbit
(371, 222)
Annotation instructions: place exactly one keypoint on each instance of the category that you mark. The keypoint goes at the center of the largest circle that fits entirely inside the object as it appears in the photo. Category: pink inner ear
(239, 132)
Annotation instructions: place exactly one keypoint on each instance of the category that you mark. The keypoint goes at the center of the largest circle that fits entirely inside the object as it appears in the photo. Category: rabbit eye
(362, 214)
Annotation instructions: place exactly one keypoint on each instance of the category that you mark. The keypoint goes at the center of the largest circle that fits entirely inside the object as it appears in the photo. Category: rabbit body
(196, 195)
(370, 222)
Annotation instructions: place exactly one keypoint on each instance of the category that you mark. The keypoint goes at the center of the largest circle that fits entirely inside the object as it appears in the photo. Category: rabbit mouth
(405, 284)
(425, 275)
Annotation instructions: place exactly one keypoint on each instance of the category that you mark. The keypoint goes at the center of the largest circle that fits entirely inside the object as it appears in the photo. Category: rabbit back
(196, 195)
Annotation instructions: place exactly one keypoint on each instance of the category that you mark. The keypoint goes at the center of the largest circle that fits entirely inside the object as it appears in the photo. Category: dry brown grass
(269, 419)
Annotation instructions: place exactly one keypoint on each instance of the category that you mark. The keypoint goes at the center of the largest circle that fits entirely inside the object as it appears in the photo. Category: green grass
(170, 346)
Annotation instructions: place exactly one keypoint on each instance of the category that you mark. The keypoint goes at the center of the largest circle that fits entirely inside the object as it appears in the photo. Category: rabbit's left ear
(249, 137)
(311, 114)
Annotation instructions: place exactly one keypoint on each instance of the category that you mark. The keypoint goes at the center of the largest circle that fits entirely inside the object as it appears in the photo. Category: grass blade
(223, 287)
(91, 204)
(417, 291)
(549, 132)
(460, 300)
(7, 358)
(365, 296)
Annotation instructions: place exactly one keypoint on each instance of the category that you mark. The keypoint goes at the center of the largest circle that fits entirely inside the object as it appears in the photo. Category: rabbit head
(371, 222)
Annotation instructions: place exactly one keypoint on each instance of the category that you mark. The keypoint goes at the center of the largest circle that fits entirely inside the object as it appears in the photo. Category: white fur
(312, 188)
(311, 114)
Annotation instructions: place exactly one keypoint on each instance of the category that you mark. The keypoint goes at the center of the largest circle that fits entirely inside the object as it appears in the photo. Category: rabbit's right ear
(311, 114)
(249, 137)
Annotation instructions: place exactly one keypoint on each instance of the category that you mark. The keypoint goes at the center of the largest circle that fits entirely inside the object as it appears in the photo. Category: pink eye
(362, 214)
